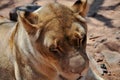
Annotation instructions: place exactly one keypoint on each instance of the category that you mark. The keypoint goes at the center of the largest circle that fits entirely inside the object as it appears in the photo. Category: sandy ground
(103, 30)
(104, 34)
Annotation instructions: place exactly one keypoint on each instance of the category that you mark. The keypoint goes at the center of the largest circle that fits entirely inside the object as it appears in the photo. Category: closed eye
(53, 48)
(84, 39)
(56, 50)
(79, 42)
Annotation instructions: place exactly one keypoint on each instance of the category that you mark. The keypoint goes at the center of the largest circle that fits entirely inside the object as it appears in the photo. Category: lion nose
(77, 64)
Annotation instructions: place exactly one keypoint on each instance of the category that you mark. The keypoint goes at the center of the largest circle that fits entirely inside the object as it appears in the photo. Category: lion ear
(28, 20)
(81, 7)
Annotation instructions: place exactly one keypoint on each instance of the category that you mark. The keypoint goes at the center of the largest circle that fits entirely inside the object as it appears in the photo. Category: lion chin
(47, 44)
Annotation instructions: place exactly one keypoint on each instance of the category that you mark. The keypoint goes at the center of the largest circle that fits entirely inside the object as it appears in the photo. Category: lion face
(64, 47)
(67, 47)
(58, 34)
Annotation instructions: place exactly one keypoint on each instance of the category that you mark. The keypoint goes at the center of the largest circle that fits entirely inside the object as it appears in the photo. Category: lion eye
(53, 48)
(84, 40)
(79, 42)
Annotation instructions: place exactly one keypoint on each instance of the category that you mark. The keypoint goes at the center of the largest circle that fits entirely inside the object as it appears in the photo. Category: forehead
(58, 21)
(54, 10)
(55, 14)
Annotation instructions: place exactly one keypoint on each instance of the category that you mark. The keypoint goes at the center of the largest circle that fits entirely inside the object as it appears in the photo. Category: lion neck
(25, 53)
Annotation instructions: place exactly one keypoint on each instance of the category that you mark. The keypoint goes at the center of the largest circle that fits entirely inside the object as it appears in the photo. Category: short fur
(48, 44)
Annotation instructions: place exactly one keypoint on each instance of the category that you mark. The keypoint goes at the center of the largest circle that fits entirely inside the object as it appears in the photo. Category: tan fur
(48, 44)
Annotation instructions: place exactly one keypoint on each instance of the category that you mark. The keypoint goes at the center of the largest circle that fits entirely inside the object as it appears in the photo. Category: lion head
(54, 39)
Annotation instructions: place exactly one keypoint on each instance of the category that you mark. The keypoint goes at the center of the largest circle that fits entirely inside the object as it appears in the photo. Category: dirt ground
(103, 30)
(104, 34)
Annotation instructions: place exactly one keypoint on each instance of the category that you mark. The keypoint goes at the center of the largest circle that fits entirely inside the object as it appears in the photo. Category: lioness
(47, 44)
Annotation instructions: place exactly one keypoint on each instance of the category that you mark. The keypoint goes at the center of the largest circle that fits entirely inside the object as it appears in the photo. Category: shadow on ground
(94, 9)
